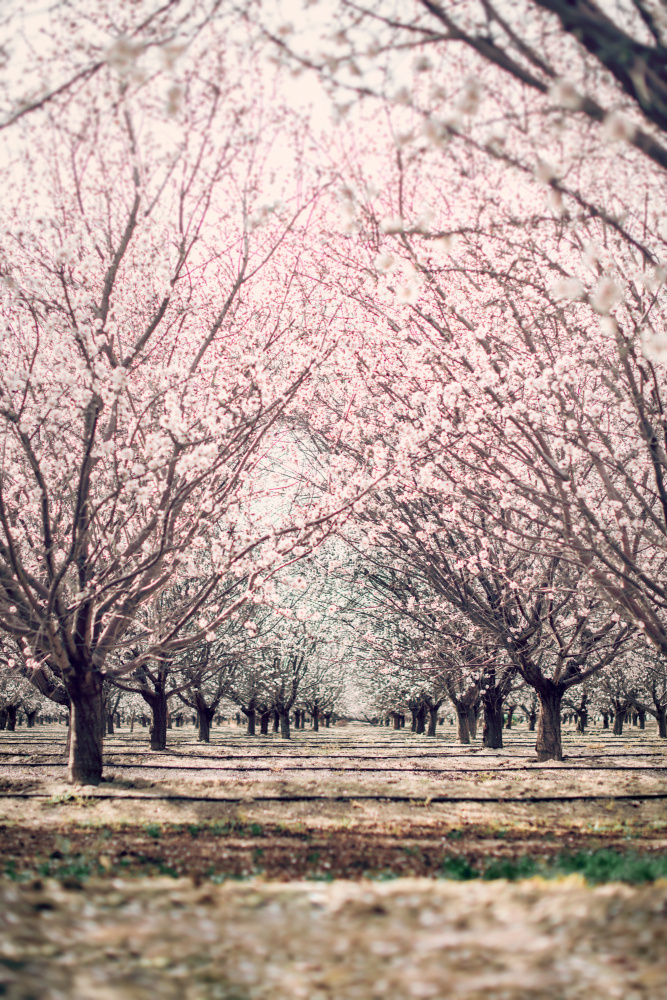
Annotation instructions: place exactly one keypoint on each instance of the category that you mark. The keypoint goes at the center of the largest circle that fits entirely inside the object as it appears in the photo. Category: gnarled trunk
(86, 729)
(30, 718)
(264, 721)
(397, 719)
(284, 725)
(276, 721)
(432, 722)
(549, 745)
(510, 716)
(3, 718)
(316, 719)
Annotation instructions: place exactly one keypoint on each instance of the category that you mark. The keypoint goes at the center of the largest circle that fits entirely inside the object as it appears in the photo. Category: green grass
(596, 867)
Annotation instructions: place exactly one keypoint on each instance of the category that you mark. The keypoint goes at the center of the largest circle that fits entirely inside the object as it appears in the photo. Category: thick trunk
(316, 720)
(327, 720)
(397, 720)
(11, 718)
(421, 719)
(3, 718)
(642, 719)
(158, 726)
(472, 722)
(464, 724)
(549, 745)
(618, 723)
(284, 725)
(110, 729)
(264, 720)
(532, 721)
(605, 721)
(413, 724)
(661, 716)
(86, 729)
(30, 718)
(510, 716)
(432, 722)
(250, 716)
(204, 716)
(492, 733)
(276, 721)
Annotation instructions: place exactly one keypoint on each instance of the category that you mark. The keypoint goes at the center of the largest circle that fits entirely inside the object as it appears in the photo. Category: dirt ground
(363, 814)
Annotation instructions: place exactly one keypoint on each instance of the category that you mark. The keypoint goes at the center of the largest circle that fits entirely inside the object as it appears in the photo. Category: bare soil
(129, 889)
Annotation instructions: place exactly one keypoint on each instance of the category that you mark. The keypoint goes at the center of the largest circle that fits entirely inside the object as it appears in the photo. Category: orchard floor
(340, 864)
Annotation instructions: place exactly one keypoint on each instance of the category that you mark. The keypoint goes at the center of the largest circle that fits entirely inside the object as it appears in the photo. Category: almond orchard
(333, 496)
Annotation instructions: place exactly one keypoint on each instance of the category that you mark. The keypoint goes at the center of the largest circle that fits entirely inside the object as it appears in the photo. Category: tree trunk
(510, 714)
(86, 728)
(284, 725)
(642, 719)
(204, 716)
(30, 718)
(316, 719)
(264, 721)
(472, 721)
(397, 720)
(464, 724)
(250, 716)
(158, 726)
(605, 721)
(3, 718)
(549, 745)
(661, 716)
(618, 723)
(413, 724)
(532, 721)
(276, 721)
(109, 724)
(11, 718)
(432, 722)
(492, 733)
(421, 719)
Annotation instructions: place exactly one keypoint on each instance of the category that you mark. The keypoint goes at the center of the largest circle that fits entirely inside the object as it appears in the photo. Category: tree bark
(30, 718)
(464, 724)
(264, 721)
(316, 719)
(397, 720)
(3, 718)
(11, 718)
(157, 703)
(472, 721)
(204, 717)
(432, 722)
(421, 719)
(250, 716)
(492, 733)
(618, 722)
(284, 725)
(86, 729)
(549, 745)
(661, 716)
(276, 721)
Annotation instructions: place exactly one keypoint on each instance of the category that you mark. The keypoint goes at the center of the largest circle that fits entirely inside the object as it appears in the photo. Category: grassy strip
(595, 866)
